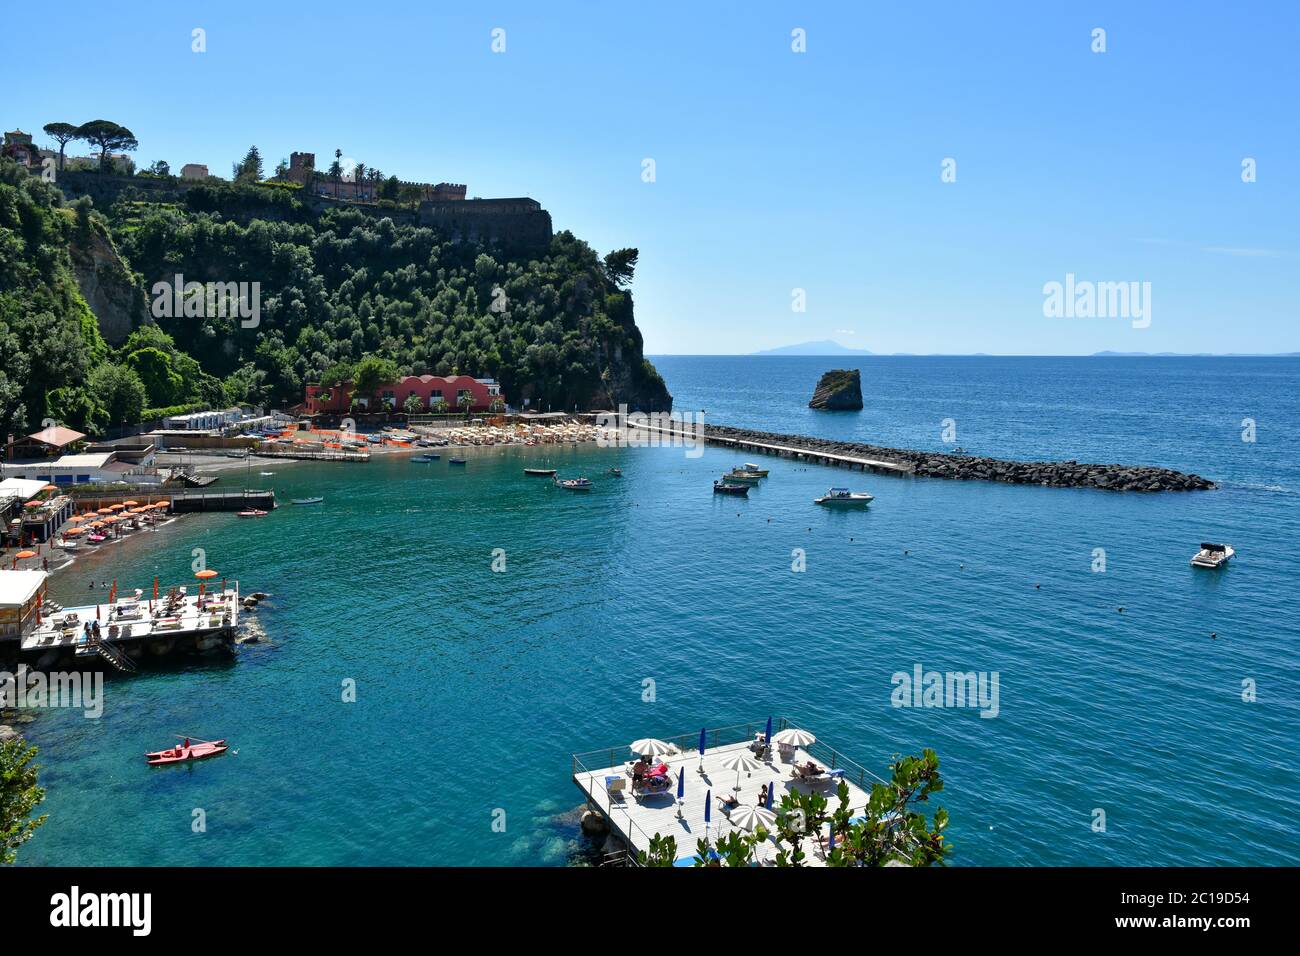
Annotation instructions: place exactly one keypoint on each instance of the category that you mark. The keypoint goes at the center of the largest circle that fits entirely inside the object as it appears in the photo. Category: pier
(184, 502)
(604, 777)
(924, 464)
(133, 629)
(306, 454)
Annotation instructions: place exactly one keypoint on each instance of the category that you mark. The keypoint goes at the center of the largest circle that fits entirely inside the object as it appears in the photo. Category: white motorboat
(842, 496)
(1212, 555)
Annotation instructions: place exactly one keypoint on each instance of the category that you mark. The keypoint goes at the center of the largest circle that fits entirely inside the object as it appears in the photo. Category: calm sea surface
(474, 687)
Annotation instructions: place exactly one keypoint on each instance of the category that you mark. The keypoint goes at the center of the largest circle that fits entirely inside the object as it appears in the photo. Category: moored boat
(1212, 555)
(307, 501)
(456, 461)
(423, 459)
(842, 497)
(616, 472)
(251, 513)
(741, 477)
(540, 472)
(750, 466)
(573, 484)
(724, 488)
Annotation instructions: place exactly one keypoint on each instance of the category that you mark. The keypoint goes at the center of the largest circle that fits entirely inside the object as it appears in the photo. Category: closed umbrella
(740, 762)
(681, 792)
(703, 737)
(767, 734)
(771, 792)
(708, 812)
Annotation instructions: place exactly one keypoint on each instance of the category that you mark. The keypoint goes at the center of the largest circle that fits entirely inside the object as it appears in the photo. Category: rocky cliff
(113, 293)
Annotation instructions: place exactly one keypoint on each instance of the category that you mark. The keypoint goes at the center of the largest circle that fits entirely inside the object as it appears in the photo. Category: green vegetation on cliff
(333, 288)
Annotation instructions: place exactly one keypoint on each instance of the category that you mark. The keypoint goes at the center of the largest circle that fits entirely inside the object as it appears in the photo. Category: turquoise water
(473, 687)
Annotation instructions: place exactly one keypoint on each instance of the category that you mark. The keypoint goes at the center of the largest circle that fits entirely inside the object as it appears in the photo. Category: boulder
(839, 390)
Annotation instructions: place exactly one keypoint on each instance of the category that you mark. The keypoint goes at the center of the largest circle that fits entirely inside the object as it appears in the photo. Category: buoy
(1121, 610)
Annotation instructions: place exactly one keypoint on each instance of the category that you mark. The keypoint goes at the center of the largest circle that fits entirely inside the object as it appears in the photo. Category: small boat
(616, 472)
(456, 461)
(186, 751)
(1212, 555)
(750, 466)
(540, 472)
(307, 501)
(724, 488)
(423, 459)
(251, 513)
(573, 484)
(95, 538)
(741, 477)
(842, 496)
(265, 474)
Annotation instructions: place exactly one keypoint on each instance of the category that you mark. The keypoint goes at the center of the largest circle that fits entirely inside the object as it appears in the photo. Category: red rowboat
(181, 752)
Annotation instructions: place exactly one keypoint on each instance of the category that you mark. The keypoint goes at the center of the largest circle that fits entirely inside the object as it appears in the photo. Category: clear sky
(774, 170)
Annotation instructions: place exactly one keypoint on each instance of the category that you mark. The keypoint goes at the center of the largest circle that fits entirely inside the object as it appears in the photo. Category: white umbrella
(795, 737)
(740, 761)
(748, 818)
(651, 746)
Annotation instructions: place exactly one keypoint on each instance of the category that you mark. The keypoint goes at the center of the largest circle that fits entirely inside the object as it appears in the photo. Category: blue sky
(775, 170)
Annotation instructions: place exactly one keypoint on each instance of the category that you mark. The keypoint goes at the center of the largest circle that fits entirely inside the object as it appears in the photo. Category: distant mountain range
(824, 347)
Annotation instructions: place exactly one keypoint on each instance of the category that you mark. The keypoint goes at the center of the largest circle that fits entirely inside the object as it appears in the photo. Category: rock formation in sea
(839, 390)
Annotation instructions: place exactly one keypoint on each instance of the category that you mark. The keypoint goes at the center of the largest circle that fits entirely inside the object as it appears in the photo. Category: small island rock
(839, 390)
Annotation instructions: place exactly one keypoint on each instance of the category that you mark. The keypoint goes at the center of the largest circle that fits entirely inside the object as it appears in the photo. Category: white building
(20, 595)
(202, 421)
(96, 468)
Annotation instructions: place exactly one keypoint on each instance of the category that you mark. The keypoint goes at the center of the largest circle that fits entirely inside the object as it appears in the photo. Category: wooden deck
(636, 819)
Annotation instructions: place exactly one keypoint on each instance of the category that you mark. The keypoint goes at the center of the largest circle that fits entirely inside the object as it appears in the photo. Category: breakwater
(927, 464)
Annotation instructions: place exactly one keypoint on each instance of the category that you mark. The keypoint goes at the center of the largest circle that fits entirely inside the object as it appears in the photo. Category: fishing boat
(457, 461)
(573, 484)
(187, 751)
(616, 472)
(307, 501)
(741, 477)
(750, 466)
(842, 497)
(423, 459)
(251, 513)
(726, 488)
(540, 472)
(1212, 555)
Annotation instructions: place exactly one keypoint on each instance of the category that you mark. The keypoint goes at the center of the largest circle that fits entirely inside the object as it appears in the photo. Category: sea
(439, 640)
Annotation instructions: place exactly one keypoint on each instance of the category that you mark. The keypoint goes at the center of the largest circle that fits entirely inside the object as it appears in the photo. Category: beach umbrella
(105, 511)
(50, 488)
(771, 793)
(646, 745)
(681, 792)
(129, 504)
(795, 737)
(203, 576)
(831, 844)
(708, 812)
(740, 762)
(767, 734)
(117, 507)
(25, 554)
(750, 818)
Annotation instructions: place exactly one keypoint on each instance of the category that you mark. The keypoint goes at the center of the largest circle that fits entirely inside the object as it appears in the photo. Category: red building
(337, 400)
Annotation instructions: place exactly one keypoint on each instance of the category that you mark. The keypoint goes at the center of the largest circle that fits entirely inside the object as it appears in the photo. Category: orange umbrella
(130, 504)
(73, 532)
(77, 519)
(105, 511)
(118, 507)
(32, 554)
(203, 575)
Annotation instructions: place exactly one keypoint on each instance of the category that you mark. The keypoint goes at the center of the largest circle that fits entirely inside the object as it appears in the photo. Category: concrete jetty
(925, 464)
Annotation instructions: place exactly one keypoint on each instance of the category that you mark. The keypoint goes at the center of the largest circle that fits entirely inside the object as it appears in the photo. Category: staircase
(115, 656)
